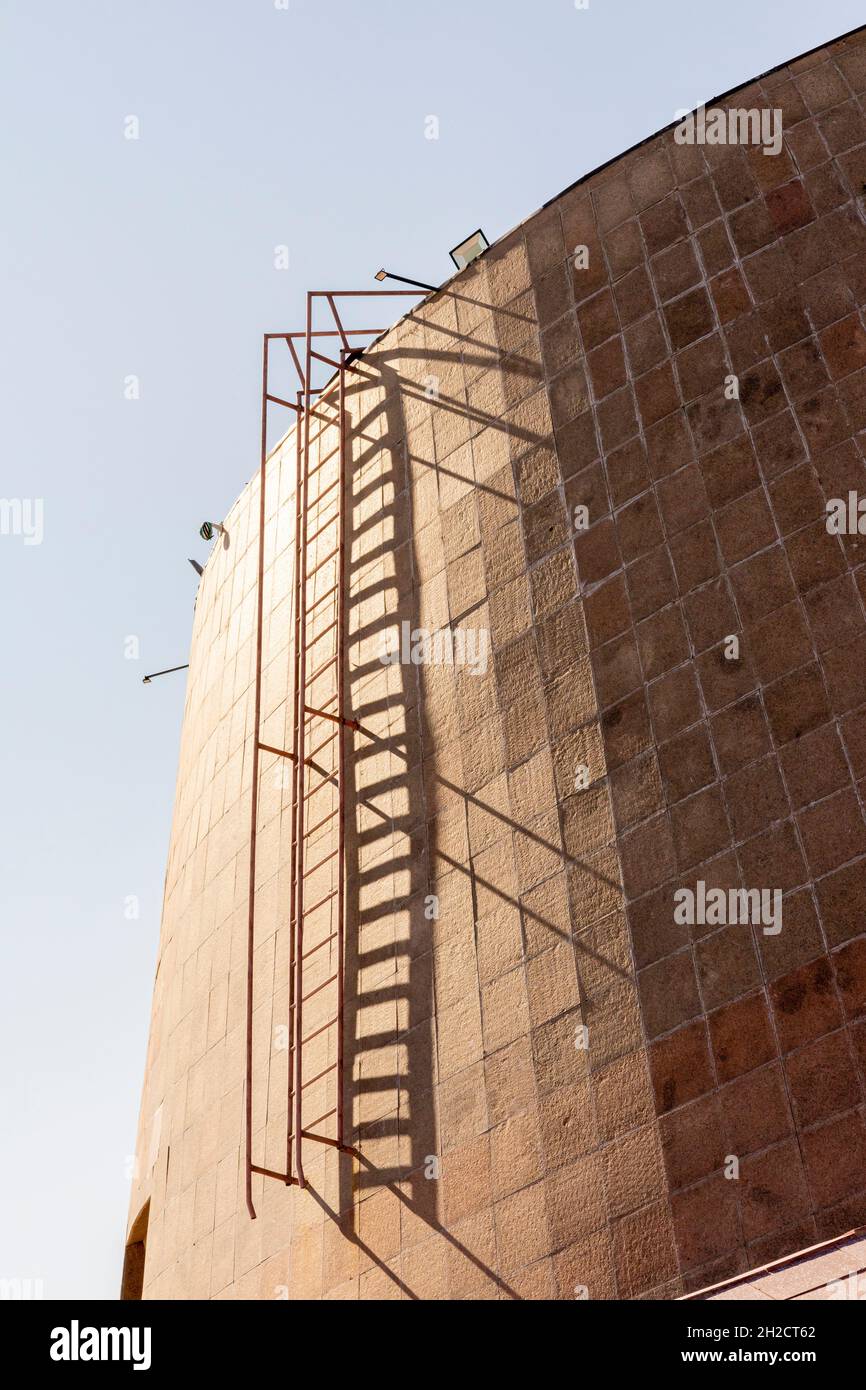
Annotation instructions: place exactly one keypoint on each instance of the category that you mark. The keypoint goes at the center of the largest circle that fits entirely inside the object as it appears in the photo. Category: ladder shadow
(388, 1022)
(394, 1123)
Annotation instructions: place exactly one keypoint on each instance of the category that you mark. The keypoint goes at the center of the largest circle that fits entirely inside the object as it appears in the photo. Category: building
(602, 647)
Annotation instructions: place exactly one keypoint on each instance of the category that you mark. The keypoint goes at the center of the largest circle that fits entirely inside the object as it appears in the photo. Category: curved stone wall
(601, 459)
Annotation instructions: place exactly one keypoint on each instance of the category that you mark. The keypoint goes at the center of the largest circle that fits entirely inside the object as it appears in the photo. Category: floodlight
(207, 529)
(469, 250)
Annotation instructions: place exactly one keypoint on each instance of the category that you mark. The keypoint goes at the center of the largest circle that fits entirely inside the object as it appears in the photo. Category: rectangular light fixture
(467, 251)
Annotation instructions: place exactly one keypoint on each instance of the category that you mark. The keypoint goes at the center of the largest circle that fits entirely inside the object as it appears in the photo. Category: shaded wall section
(548, 1076)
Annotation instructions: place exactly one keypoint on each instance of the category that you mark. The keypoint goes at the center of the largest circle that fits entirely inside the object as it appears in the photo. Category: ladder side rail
(341, 738)
(291, 1131)
(254, 790)
(301, 727)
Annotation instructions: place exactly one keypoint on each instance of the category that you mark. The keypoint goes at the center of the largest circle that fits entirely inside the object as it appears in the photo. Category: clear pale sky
(259, 127)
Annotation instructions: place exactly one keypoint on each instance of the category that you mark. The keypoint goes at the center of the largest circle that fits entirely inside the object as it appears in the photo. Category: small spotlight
(197, 567)
(465, 252)
(207, 528)
(146, 680)
(404, 280)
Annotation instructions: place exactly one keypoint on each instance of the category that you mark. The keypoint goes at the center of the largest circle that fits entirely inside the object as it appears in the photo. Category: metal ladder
(321, 723)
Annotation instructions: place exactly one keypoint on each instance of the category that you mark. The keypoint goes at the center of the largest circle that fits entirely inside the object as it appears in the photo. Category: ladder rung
(332, 855)
(325, 491)
(320, 670)
(311, 829)
(307, 1135)
(322, 563)
(321, 599)
(319, 635)
(332, 521)
(328, 594)
(319, 746)
(311, 473)
(330, 700)
(329, 776)
(324, 985)
(315, 642)
(313, 1079)
(324, 1028)
(308, 911)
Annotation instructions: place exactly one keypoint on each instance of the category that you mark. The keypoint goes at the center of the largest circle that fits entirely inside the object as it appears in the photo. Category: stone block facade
(599, 453)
